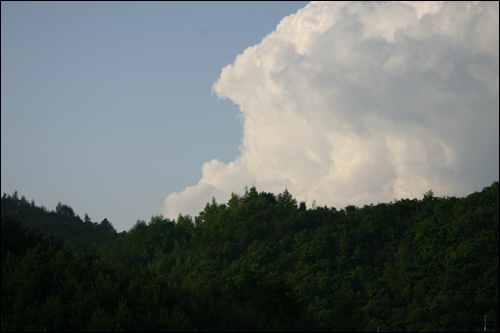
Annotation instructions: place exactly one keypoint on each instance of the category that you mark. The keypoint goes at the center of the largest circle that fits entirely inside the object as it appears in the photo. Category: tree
(429, 195)
(105, 224)
(65, 210)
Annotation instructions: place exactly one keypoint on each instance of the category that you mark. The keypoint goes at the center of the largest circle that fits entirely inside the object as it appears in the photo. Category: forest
(62, 223)
(260, 262)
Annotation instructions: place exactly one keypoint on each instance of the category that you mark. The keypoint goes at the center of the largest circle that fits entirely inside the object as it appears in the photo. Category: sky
(128, 110)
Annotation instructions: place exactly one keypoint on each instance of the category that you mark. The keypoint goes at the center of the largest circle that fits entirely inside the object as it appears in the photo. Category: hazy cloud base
(360, 102)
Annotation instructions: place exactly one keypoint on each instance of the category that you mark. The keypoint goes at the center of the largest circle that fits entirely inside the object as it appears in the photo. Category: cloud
(360, 102)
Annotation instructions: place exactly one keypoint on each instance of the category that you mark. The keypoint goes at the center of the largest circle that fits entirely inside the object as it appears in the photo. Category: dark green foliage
(266, 263)
(17, 239)
(49, 288)
(62, 223)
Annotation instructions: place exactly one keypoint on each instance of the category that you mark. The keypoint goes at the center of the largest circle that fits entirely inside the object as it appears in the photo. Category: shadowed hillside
(262, 262)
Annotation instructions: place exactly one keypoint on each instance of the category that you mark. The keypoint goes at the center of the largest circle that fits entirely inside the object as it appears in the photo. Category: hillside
(263, 262)
(62, 222)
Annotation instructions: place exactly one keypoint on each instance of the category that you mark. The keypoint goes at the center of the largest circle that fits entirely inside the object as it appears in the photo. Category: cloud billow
(360, 102)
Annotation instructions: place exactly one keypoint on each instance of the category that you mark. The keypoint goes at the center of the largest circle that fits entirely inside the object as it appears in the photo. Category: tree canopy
(262, 262)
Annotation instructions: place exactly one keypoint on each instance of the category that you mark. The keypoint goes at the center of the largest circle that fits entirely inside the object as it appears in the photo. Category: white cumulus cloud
(361, 102)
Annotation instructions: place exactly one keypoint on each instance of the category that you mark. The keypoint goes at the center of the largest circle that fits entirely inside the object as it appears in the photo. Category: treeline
(62, 223)
(267, 263)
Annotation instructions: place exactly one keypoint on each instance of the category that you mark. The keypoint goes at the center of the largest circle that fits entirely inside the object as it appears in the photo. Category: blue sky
(128, 110)
(108, 107)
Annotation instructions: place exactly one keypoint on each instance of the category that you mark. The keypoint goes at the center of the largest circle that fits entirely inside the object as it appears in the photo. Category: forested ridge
(264, 262)
(62, 222)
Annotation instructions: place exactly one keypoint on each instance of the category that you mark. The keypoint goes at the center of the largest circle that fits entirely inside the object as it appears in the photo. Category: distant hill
(62, 223)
